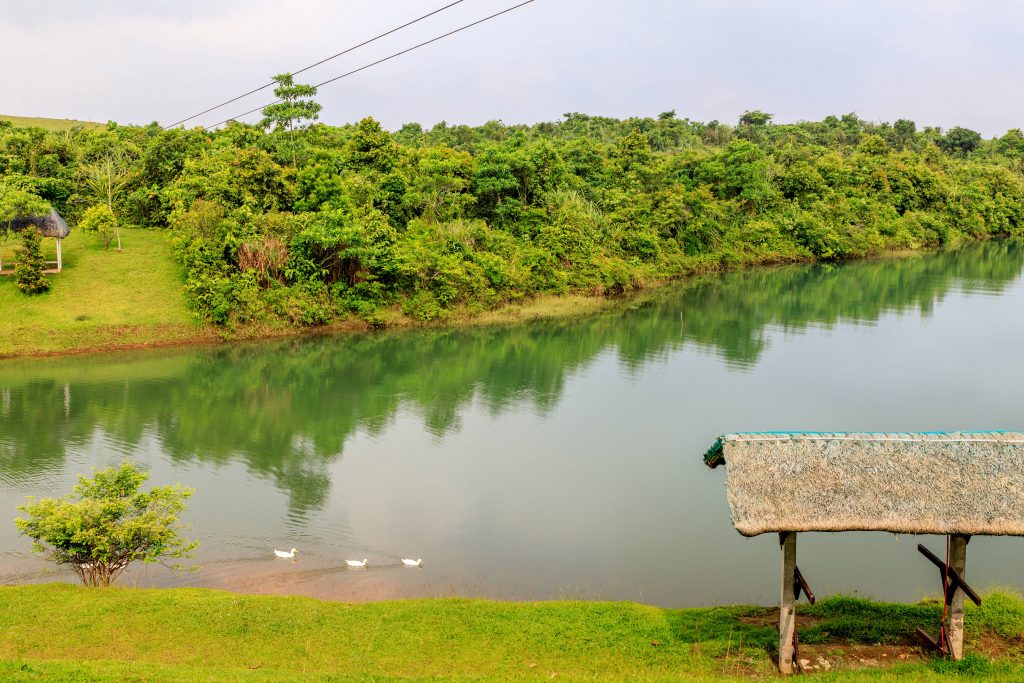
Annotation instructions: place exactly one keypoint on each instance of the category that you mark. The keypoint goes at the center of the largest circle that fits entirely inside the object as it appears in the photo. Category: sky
(938, 62)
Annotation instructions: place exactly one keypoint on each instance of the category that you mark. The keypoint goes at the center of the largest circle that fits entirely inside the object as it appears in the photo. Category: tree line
(297, 221)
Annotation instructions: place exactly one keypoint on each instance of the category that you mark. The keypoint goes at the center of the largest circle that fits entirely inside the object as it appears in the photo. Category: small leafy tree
(31, 264)
(17, 203)
(293, 111)
(107, 177)
(100, 220)
(107, 523)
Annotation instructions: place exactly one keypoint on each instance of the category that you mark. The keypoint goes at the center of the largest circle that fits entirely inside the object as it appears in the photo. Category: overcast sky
(938, 62)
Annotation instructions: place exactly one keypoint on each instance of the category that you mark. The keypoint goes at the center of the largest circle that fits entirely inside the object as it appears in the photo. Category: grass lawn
(102, 299)
(63, 632)
(49, 124)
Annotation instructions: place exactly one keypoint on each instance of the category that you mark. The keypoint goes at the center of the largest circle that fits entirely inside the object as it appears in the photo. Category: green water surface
(548, 460)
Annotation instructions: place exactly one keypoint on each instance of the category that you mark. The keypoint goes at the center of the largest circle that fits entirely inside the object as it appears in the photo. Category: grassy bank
(59, 631)
(107, 300)
(102, 299)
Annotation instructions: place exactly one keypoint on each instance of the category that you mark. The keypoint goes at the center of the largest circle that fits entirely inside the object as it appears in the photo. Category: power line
(381, 61)
(322, 61)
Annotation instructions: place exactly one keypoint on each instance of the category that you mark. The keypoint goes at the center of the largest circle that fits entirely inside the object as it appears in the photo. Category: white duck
(285, 553)
(412, 563)
(356, 563)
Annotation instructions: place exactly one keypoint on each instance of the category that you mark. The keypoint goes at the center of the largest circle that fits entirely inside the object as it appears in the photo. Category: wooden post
(955, 616)
(787, 604)
(60, 263)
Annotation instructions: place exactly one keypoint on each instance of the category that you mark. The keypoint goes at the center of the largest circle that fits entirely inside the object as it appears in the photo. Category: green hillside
(49, 124)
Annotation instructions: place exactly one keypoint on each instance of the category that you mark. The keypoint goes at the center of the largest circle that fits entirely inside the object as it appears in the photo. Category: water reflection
(288, 412)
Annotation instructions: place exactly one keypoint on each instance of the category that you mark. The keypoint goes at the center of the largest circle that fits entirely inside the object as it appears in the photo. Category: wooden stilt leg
(955, 615)
(787, 604)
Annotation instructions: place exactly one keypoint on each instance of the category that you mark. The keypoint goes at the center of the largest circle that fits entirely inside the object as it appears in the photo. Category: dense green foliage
(309, 223)
(108, 523)
(14, 203)
(199, 635)
(31, 264)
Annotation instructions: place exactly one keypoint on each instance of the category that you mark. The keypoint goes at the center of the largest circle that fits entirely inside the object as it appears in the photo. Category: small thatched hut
(958, 484)
(49, 225)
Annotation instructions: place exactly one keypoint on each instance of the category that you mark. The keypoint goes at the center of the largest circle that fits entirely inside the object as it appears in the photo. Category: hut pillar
(955, 615)
(60, 262)
(787, 604)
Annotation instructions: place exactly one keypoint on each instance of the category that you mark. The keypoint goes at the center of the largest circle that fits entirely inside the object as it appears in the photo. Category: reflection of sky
(944, 62)
(597, 491)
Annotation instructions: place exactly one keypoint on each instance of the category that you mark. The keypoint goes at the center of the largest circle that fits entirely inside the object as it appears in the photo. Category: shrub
(100, 221)
(31, 264)
(107, 523)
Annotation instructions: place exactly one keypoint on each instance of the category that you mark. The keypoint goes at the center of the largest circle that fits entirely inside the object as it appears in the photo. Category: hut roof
(915, 483)
(49, 225)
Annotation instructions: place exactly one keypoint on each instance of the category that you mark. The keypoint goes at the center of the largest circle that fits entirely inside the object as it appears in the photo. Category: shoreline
(545, 307)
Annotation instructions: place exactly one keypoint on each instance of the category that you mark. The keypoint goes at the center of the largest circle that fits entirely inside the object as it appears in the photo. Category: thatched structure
(933, 483)
(50, 225)
(958, 484)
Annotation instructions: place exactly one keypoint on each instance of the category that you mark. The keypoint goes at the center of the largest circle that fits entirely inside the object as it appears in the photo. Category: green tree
(904, 131)
(18, 203)
(755, 118)
(960, 141)
(100, 220)
(371, 148)
(293, 111)
(15, 203)
(442, 180)
(107, 523)
(31, 264)
(107, 177)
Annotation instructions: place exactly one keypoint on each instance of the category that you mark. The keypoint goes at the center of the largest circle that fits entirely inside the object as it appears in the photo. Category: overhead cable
(381, 61)
(315, 64)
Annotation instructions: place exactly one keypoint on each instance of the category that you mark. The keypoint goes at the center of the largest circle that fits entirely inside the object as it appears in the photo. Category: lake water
(548, 460)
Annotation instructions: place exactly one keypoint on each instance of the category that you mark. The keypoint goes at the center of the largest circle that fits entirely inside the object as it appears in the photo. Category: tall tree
(294, 110)
(107, 177)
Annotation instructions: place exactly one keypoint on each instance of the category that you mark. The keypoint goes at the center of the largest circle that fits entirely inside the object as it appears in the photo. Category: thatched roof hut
(49, 225)
(958, 484)
(918, 483)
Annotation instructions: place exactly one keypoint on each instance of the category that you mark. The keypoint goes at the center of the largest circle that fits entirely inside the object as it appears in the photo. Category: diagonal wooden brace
(955, 580)
(800, 585)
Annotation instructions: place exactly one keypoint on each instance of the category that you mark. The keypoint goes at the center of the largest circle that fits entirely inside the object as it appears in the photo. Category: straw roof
(921, 483)
(50, 225)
